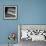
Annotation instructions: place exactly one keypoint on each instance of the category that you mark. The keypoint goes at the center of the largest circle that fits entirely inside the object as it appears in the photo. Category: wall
(7, 26)
(33, 12)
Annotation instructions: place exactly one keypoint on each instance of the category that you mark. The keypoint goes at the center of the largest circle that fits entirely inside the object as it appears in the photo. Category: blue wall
(33, 12)
(29, 12)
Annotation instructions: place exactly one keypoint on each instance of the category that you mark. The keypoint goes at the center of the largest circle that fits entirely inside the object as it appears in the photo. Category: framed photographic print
(32, 32)
(10, 12)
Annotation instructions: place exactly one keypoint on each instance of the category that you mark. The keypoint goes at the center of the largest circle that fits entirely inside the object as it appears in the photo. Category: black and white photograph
(31, 34)
(10, 12)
